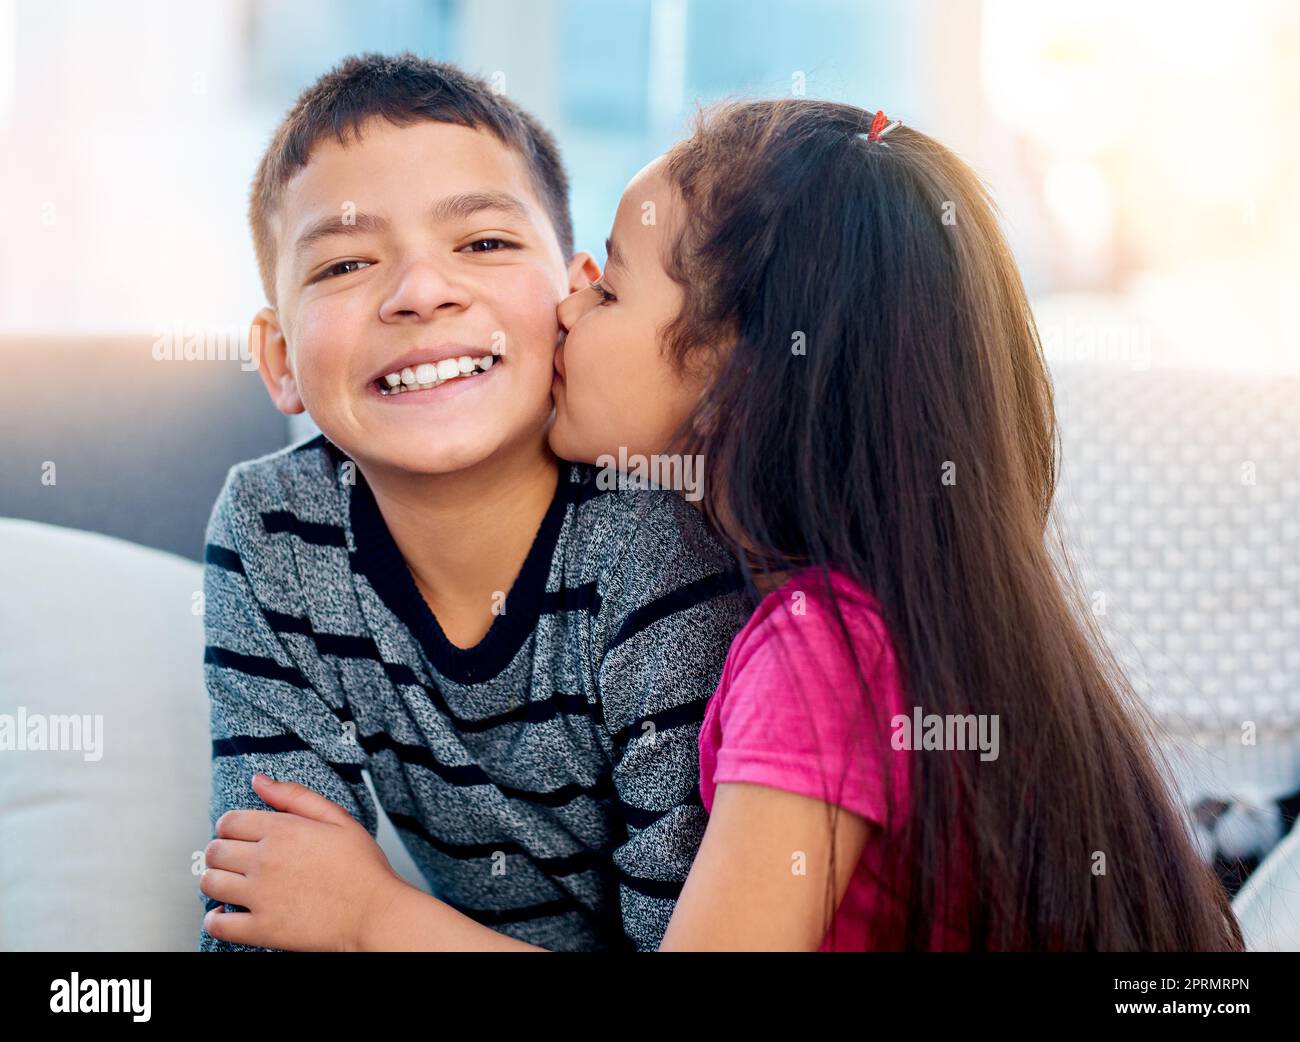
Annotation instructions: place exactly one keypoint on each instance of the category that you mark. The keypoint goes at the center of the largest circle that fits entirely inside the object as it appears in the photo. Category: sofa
(1190, 559)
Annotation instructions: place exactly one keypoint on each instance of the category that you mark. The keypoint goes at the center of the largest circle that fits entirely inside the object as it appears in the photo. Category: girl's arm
(757, 884)
(759, 880)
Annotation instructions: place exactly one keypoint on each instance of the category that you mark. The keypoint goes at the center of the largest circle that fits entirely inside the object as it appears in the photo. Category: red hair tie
(879, 128)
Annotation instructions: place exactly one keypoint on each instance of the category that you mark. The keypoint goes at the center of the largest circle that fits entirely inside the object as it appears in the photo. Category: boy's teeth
(431, 374)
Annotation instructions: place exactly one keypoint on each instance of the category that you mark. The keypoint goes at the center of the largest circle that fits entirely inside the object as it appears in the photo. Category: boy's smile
(423, 370)
(417, 280)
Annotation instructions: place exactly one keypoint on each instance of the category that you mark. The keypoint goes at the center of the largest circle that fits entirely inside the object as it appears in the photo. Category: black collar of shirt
(377, 558)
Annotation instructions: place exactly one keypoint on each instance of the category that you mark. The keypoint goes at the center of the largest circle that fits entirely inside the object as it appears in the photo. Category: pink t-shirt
(789, 713)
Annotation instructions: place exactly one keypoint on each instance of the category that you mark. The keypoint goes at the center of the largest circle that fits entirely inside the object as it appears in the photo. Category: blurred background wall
(1145, 154)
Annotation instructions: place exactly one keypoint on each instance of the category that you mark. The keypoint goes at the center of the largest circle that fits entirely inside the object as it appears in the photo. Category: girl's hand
(311, 877)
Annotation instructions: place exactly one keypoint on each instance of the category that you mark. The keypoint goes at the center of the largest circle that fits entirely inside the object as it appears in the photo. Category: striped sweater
(545, 781)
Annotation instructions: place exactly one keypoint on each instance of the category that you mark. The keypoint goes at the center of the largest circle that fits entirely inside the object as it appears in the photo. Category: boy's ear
(271, 352)
(583, 271)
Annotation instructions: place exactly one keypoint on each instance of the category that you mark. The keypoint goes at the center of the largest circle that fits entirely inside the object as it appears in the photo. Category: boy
(519, 658)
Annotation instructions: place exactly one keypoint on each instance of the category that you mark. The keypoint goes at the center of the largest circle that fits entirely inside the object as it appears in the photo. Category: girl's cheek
(600, 379)
(586, 391)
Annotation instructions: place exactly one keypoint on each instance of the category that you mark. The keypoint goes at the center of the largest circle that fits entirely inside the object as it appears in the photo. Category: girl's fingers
(233, 855)
(230, 887)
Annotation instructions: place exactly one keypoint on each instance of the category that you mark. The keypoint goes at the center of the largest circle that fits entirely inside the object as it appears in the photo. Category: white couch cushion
(99, 853)
(96, 854)
(1268, 906)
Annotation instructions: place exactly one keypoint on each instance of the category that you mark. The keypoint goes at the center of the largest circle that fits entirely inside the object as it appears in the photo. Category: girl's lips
(559, 362)
(432, 395)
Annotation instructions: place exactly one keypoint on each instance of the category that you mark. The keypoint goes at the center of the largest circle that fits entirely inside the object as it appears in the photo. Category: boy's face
(414, 245)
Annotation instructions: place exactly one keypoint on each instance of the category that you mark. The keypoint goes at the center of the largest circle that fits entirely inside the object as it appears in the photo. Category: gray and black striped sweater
(545, 781)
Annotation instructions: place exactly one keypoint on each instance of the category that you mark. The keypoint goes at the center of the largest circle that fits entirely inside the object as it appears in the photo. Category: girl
(916, 741)
(820, 309)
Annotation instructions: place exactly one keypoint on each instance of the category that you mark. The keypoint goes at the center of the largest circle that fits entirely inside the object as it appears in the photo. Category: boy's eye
(605, 295)
(341, 268)
(487, 246)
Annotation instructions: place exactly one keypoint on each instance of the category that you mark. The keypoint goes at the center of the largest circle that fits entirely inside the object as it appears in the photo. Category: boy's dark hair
(403, 89)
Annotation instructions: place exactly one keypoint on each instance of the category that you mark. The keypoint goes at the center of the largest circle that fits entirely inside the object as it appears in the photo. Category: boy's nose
(421, 290)
(573, 307)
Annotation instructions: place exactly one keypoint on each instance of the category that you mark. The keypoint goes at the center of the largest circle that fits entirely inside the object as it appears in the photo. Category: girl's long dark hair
(880, 404)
